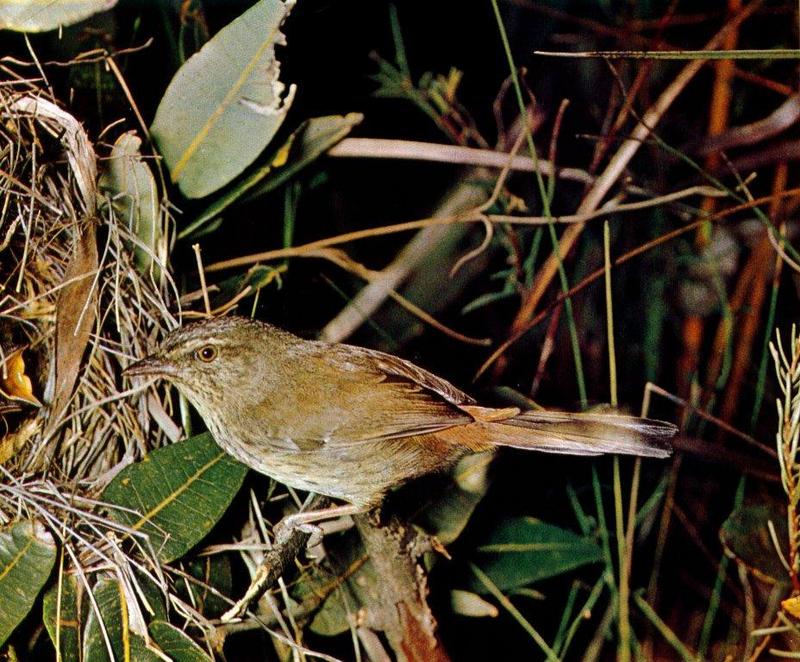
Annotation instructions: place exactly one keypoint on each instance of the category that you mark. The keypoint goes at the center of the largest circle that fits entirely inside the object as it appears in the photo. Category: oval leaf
(225, 103)
(27, 555)
(178, 493)
(38, 16)
(524, 550)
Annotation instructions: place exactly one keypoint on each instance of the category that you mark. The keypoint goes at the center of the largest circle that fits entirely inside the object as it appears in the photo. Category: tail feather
(583, 434)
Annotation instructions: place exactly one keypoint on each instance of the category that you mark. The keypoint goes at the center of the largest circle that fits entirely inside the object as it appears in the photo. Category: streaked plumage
(350, 422)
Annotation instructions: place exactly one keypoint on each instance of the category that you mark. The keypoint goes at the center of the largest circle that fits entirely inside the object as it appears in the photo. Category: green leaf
(151, 596)
(130, 186)
(524, 550)
(108, 596)
(746, 538)
(212, 572)
(63, 622)
(447, 517)
(318, 135)
(225, 104)
(341, 585)
(178, 493)
(113, 609)
(38, 16)
(27, 555)
(313, 138)
(176, 643)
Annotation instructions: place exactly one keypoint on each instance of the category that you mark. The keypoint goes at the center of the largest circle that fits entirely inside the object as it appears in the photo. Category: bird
(352, 423)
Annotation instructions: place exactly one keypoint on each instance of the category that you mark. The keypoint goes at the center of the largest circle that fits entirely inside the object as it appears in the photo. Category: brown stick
(694, 324)
(397, 603)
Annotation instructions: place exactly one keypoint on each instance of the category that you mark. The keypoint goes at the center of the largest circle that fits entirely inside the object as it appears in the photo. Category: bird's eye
(207, 353)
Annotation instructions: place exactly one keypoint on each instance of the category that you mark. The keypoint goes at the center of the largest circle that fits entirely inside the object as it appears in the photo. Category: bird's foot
(287, 527)
(285, 548)
(306, 522)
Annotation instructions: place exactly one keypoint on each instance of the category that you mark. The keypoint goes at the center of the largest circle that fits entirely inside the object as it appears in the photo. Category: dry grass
(55, 460)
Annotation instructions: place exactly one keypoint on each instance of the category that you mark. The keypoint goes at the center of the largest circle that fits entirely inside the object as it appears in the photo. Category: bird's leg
(305, 522)
(292, 534)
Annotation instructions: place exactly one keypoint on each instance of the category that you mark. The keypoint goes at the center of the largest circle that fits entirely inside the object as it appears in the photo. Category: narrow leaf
(75, 315)
(342, 585)
(319, 134)
(131, 188)
(215, 579)
(178, 493)
(524, 550)
(27, 555)
(225, 104)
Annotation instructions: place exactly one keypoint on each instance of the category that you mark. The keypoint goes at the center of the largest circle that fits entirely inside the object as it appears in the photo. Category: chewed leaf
(226, 103)
(14, 383)
(38, 16)
(308, 142)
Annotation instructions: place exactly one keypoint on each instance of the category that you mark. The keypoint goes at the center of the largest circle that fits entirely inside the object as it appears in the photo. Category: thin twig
(202, 274)
(616, 167)
(472, 216)
(383, 148)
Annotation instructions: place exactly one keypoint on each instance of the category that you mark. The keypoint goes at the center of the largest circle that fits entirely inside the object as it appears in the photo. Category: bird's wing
(374, 396)
(394, 370)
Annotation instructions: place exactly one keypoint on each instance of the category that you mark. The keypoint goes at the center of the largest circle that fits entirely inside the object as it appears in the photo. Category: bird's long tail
(585, 434)
(572, 434)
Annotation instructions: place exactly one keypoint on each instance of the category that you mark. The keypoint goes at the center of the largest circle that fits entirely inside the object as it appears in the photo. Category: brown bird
(352, 423)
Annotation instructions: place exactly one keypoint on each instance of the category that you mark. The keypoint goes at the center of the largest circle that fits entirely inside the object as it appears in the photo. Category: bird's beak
(153, 365)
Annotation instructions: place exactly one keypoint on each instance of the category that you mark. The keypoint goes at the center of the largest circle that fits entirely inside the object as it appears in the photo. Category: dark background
(329, 57)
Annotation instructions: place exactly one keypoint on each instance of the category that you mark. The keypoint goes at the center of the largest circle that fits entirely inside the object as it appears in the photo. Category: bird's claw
(289, 525)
